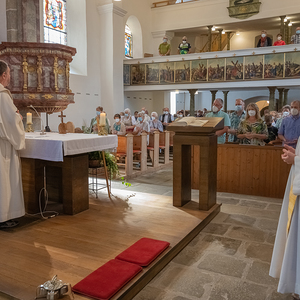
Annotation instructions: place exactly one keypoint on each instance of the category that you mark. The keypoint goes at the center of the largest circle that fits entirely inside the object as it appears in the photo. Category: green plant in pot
(96, 161)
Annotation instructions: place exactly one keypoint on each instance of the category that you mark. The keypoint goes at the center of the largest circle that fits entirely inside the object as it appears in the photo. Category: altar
(60, 163)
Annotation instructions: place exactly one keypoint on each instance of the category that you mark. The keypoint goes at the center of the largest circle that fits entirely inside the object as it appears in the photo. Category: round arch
(137, 36)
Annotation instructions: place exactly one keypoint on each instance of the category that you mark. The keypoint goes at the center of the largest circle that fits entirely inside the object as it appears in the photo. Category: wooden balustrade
(246, 169)
(131, 146)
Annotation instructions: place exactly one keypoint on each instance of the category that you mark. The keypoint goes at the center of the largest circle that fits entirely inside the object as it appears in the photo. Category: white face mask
(279, 38)
(165, 40)
(152, 118)
(251, 113)
(285, 113)
(143, 111)
(165, 112)
(263, 35)
(294, 111)
(184, 42)
(117, 120)
(215, 109)
(180, 116)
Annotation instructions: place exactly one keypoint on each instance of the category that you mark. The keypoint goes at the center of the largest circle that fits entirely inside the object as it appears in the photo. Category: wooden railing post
(143, 151)
(167, 147)
(156, 148)
(129, 155)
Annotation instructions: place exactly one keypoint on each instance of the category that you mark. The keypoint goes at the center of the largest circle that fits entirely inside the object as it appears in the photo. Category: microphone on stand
(42, 130)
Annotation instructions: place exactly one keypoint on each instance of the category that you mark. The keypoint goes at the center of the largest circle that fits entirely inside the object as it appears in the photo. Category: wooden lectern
(185, 137)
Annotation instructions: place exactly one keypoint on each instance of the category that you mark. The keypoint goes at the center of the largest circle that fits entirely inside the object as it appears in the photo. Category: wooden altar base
(74, 246)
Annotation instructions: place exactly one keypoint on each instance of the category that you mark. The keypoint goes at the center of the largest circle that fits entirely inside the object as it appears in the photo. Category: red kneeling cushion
(107, 280)
(143, 252)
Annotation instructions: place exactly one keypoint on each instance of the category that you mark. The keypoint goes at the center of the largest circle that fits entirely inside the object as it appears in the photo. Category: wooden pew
(164, 144)
(140, 147)
(125, 150)
(246, 169)
(153, 148)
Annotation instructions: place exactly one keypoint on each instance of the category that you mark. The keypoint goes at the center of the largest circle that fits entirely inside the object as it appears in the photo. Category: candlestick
(29, 118)
(102, 119)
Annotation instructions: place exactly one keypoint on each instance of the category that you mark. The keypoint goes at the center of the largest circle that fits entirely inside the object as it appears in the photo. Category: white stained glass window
(55, 21)
(128, 42)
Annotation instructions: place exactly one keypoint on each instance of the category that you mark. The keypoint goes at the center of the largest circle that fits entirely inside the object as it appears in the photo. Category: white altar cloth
(54, 146)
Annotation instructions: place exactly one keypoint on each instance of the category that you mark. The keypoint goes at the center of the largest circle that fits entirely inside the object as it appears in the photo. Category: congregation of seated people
(244, 125)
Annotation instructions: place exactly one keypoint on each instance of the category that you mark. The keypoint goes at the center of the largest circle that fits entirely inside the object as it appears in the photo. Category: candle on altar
(102, 119)
(29, 118)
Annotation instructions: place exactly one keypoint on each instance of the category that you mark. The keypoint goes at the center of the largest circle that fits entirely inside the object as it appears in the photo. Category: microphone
(42, 129)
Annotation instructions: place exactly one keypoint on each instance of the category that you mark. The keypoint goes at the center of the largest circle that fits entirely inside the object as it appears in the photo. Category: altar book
(190, 121)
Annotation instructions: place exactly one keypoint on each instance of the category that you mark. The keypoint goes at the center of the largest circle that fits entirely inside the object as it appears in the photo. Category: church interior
(216, 205)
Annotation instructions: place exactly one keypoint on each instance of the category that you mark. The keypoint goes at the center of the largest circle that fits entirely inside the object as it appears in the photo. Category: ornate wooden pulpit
(185, 137)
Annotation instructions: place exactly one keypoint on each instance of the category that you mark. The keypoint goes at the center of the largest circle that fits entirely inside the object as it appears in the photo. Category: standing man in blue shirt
(289, 131)
(217, 112)
(235, 119)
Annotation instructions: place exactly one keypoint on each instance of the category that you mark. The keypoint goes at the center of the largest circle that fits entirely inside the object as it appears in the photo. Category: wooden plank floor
(74, 246)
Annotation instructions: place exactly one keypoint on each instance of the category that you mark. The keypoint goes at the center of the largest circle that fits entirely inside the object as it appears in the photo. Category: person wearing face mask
(289, 130)
(180, 115)
(272, 131)
(280, 41)
(264, 41)
(184, 47)
(128, 120)
(166, 118)
(235, 119)
(93, 127)
(296, 37)
(164, 48)
(252, 130)
(142, 125)
(155, 123)
(286, 111)
(118, 127)
(145, 112)
(217, 112)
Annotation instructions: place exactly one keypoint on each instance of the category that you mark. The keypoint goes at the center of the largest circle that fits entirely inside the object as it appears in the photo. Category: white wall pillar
(111, 53)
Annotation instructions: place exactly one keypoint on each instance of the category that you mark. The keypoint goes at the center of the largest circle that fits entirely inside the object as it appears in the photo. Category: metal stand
(95, 186)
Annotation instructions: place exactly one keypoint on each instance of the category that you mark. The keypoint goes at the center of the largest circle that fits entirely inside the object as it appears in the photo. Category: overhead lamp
(177, 92)
(285, 19)
(223, 32)
(237, 33)
(213, 28)
(196, 93)
(290, 24)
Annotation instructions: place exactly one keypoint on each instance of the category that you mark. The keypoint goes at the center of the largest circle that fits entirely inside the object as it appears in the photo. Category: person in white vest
(12, 139)
(285, 263)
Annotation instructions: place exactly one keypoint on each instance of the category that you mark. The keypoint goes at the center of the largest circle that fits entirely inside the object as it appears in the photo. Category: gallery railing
(241, 65)
(169, 2)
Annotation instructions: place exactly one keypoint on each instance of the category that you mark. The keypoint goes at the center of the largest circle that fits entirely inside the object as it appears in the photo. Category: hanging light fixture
(285, 19)
(223, 32)
(213, 28)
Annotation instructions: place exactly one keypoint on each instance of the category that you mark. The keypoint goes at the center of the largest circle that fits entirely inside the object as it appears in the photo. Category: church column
(282, 31)
(225, 100)
(289, 35)
(220, 39)
(111, 32)
(228, 40)
(280, 99)
(23, 20)
(285, 98)
(272, 104)
(209, 38)
(213, 96)
(192, 101)
(286, 32)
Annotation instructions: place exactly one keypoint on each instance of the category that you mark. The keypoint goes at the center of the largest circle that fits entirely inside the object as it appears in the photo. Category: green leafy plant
(127, 184)
(111, 161)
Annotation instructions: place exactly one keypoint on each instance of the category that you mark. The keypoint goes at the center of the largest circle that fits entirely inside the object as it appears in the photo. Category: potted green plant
(96, 161)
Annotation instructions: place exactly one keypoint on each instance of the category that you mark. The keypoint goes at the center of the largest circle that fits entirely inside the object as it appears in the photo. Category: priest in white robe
(12, 139)
(285, 263)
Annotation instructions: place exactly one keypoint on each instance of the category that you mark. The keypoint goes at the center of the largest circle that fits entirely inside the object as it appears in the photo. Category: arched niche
(137, 36)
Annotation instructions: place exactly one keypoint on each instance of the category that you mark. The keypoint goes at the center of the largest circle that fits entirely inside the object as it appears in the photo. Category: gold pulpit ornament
(101, 122)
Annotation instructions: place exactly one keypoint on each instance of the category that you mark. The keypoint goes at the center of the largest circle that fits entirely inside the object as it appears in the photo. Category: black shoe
(9, 224)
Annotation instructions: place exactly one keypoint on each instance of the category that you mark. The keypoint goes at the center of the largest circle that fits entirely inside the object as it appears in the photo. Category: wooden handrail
(169, 2)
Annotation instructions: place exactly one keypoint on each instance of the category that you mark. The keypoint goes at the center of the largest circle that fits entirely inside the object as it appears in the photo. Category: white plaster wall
(136, 100)
(3, 33)
(208, 12)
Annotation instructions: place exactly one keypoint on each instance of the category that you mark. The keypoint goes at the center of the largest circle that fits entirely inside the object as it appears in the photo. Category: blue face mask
(239, 107)
(98, 113)
(140, 119)
(126, 115)
(298, 31)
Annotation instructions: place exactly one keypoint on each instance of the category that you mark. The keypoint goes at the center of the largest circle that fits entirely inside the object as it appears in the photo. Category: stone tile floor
(228, 260)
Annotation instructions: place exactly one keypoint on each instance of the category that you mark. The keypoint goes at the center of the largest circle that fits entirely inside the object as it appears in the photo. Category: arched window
(55, 21)
(128, 42)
